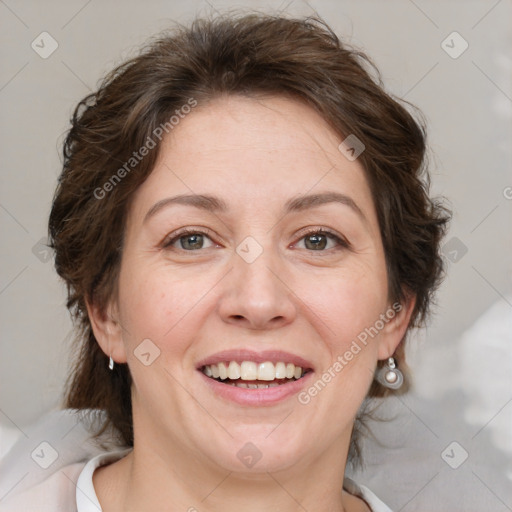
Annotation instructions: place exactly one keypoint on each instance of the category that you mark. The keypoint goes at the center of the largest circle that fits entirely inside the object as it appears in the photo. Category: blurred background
(448, 444)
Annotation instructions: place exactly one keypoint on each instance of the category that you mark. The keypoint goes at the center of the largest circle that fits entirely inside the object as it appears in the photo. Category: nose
(256, 295)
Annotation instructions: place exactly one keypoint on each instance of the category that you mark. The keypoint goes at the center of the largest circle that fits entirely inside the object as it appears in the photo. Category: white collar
(86, 499)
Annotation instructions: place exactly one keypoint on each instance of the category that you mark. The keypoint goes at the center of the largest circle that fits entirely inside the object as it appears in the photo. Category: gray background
(462, 363)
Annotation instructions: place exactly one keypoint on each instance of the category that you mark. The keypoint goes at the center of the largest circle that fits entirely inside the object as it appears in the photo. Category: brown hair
(249, 55)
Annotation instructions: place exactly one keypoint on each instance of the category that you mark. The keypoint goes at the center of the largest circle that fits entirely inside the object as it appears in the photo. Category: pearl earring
(110, 363)
(390, 376)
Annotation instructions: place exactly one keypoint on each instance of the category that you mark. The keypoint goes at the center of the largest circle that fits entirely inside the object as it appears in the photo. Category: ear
(107, 331)
(394, 330)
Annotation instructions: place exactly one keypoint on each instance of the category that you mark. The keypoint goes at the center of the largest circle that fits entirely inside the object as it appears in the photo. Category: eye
(188, 240)
(319, 239)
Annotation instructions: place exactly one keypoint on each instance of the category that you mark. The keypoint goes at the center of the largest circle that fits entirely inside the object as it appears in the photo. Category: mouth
(250, 374)
(255, 378)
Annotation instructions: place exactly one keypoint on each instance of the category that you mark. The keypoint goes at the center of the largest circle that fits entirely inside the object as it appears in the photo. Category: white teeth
(223, 371)
(266, 371)
(249, 370)
(252, 386)
(234, 370)
(255, 386)
(280, 371)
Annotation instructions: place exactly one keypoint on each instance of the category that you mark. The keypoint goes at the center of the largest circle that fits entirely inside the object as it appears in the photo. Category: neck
(174, 475)
(148, 481)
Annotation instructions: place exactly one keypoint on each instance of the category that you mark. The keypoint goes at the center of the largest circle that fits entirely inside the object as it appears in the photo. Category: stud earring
(390, 376)
(110, 363)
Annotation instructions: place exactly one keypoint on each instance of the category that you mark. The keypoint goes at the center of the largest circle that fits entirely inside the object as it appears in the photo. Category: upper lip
(274, 356)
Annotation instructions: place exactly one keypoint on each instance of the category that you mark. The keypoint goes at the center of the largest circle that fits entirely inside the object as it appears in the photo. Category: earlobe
(107, 331)
(395, 329)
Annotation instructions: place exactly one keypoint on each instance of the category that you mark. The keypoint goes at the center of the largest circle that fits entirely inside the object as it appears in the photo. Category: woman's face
(282, 262)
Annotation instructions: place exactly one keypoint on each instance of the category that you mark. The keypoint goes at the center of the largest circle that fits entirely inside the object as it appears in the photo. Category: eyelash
(343, 243)
(182, 233)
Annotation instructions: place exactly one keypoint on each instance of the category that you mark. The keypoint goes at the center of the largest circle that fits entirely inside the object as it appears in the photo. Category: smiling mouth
(251, 375)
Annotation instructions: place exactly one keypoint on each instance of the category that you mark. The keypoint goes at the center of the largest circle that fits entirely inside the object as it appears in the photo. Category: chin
(258, 452)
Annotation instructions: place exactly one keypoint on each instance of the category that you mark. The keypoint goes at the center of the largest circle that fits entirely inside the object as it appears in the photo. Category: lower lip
(258, 396)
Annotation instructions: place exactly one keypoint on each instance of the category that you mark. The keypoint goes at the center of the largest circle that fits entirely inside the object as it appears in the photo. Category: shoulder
(39, 470)
(70, 489)
(375, 504)
(55, 494)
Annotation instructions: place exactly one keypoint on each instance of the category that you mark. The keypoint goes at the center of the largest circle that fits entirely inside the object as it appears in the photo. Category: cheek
(156, 305)
(343, 315)
(347, 303)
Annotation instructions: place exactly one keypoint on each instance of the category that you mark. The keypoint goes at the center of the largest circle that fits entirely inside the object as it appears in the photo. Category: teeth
(234, 370)
(223, 371)
(250, 370)
(266, 371)
(280, 371)
(253, 386)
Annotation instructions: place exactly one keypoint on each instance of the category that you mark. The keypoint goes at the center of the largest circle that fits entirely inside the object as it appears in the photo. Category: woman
(244, 228)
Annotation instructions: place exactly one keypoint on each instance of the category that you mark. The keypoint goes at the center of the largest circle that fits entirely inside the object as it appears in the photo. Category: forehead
(254, 153)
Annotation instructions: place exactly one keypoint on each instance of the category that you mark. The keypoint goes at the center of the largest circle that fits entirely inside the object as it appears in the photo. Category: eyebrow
(203, 202)
(312, 200)
(217, 205)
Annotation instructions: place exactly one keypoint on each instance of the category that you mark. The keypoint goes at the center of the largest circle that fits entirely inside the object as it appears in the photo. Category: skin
(255, 154)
